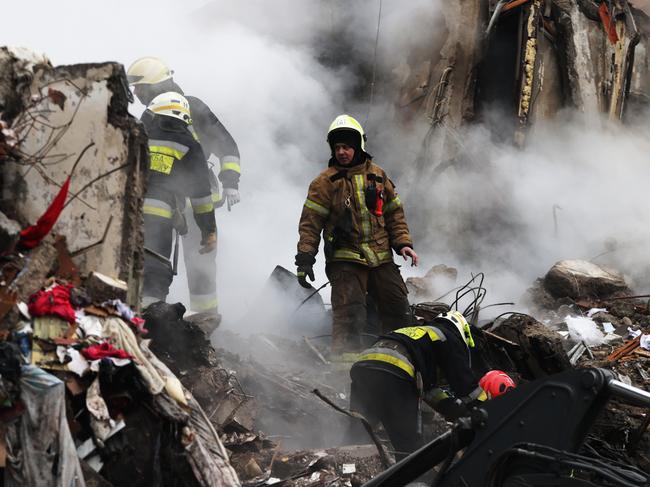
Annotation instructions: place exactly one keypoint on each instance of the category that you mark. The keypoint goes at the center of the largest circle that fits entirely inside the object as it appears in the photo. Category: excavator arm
(530, 436)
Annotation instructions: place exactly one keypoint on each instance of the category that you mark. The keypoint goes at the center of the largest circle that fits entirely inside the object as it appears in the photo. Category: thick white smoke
(263, 68)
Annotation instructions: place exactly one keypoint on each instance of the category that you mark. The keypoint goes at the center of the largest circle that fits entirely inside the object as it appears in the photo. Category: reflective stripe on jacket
(434, 350)
(177, 170)
(336, 206)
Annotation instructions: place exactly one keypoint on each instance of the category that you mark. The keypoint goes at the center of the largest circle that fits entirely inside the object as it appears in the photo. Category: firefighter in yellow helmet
(177, 171)
(150, 77)
(354, 205)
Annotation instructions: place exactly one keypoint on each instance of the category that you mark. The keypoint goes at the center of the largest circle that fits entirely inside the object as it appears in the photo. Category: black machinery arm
(554, 413)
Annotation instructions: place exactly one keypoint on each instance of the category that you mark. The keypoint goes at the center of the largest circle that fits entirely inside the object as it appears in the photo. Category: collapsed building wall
(72, 121)
(72, 412)
(564, 54)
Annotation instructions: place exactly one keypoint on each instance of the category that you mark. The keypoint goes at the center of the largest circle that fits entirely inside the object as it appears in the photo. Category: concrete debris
(105, 288)
(163, 399)
(541, 349)
(85, 401)
(73, 121)
(577, 279)
(433, 284)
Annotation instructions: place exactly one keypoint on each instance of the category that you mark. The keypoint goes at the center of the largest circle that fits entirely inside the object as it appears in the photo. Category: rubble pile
(83, 389)
(84, 400)
(588, 318)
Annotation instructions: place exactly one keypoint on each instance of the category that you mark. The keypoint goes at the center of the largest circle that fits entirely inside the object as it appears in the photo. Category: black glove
(305, 263)
(452, 408)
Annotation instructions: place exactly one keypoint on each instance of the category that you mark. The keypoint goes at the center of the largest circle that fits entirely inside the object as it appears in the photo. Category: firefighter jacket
(215, 139)
(177, 170)
(434, 351)
(359, 213)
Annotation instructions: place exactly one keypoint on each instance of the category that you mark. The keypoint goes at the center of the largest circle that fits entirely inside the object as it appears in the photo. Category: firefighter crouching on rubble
(177, 171)
(150, 77)
(355, 205)
(406, 366)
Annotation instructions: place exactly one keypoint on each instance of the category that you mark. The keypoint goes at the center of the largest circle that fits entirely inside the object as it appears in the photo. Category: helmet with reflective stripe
(347, 123)
(148, 71)
(171, 104)
(496, 382)
(459, 321)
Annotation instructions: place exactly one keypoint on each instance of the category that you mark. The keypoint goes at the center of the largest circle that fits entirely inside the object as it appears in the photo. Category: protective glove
(208, 243)
(232, 196)
(452, 408)
(305, 263)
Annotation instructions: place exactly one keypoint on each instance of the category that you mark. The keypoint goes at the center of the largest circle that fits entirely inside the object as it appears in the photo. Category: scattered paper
(608, 327)
(645, 342)
(95, 462)
(118, 362)
(348, 468)
(90, 325)
(78, 363)
(24, 310)
(633, 333)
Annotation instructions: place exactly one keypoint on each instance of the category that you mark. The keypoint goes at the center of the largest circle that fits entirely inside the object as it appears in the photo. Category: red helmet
(496, 382)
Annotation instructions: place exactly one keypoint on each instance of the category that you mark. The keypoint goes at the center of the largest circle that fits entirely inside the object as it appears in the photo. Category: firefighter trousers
(350, 283)
(384, 397)
(201, 268)
(158, 275)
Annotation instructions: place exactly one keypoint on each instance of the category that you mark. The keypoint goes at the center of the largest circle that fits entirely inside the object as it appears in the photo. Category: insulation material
(585, 330)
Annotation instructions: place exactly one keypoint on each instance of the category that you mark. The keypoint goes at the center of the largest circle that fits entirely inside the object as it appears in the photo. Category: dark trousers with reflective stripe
(201, 268)
(383, 397)
(350, 285)
(158, 235)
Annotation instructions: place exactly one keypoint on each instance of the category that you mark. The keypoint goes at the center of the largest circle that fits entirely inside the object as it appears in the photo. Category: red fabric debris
(103, 350)
(139, 325)
(31, 236)
(55, 302)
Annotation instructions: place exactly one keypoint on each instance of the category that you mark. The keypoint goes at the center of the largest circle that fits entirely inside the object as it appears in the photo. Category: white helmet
(459, 321)
(347, 123)
(148, 71)
(171, 104)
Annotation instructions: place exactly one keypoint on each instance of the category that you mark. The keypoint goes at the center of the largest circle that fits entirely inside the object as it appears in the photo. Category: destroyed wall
(74, 121)
(563, 56)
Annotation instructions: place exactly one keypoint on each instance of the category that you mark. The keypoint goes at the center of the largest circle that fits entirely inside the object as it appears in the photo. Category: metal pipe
(631, 394)
(495, 16)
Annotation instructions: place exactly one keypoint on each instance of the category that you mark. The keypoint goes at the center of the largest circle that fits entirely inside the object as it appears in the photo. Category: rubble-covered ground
(93, 392)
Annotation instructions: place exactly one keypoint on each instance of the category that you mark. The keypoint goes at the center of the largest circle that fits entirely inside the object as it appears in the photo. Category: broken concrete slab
(577, 279)
(104, 288)
(74, 121)
(434, 283)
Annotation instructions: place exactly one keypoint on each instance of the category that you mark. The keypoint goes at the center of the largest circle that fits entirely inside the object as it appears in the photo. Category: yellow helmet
(459, 321)
(346, 122)
(171, 104)
(148, 71)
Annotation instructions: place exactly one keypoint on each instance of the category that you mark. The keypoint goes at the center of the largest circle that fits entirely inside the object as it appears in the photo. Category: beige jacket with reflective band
(371, 237)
